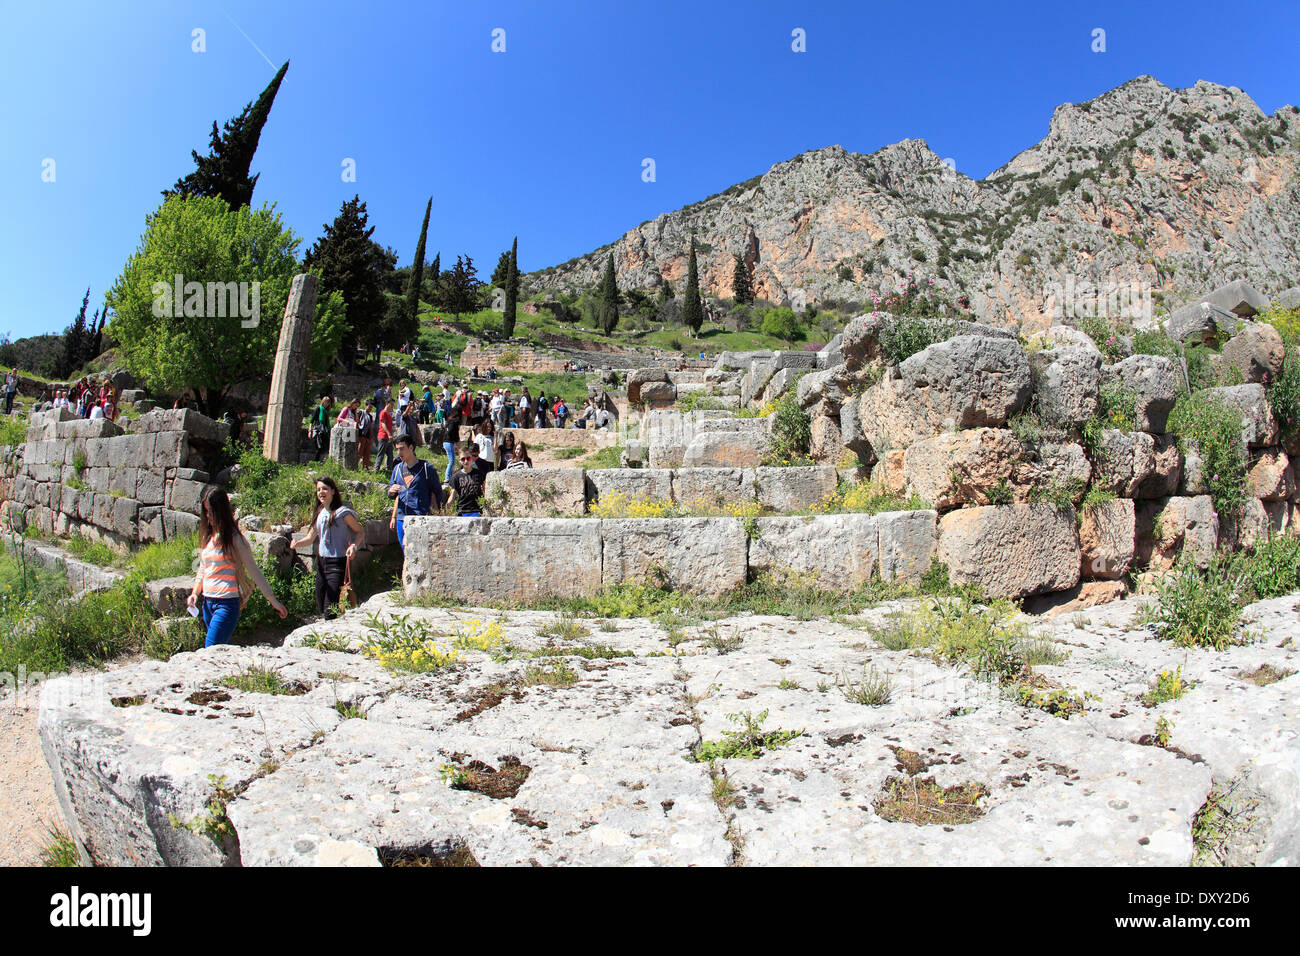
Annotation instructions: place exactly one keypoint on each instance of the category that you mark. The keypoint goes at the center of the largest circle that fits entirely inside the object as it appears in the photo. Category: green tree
(224, 171)
(351, 263)
(782, 323)
(76, 343)
(512, 291)
(607, 299)
(502, 272)
(417, 277)
(217, 341)
(459, 288)
(742, 282)
(692, 309)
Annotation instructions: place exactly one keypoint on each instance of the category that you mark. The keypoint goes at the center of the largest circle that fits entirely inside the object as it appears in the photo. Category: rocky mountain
(1147, 190)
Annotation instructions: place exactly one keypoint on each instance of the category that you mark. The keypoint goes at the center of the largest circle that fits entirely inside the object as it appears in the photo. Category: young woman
(520, 458)
(505, 450)
(486, 441)
(227, 558)
(338, 530)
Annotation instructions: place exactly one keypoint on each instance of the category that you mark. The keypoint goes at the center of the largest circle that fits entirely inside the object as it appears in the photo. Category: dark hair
(470, 448)
(403, 439)
(521, 452)
(217, 503)
(336, 501)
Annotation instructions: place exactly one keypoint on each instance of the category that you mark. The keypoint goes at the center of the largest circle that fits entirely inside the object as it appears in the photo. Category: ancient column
(284, 410)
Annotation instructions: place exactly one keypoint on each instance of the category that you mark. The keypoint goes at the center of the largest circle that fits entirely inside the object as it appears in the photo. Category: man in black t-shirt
(467, 482)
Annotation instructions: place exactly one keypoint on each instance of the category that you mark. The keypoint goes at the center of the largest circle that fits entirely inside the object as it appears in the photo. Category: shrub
(1284, 396)
(791, 432)
(1155, 342)
(904, 336)
(1271, 569)
(1215, 429)
(1117, 407)
(1198, 608)
(1104, 335)
(782, 323)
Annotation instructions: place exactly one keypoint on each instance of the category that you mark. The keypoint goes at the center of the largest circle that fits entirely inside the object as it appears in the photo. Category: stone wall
(494, 559)
(532, 359)
(88, 477)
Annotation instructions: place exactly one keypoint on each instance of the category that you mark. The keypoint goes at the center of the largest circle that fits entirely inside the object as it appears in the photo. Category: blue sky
(545, 140)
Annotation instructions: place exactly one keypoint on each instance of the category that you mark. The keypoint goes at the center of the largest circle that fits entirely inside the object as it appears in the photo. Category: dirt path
(28, 807)
(27, 804)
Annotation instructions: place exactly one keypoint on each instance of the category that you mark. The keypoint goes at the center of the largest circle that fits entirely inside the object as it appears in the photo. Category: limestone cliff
(1176, 190)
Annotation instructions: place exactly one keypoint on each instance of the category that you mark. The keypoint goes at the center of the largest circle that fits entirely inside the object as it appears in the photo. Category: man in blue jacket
(414, 488)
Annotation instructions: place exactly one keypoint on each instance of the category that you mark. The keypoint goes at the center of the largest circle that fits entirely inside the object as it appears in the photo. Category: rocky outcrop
(1115, 194)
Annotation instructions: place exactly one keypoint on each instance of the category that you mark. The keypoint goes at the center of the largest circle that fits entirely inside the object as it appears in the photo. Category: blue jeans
(220, 615)
(401, 533)
(450, 449)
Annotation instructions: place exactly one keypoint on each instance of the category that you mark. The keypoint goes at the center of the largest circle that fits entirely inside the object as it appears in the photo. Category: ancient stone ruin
(456, 720)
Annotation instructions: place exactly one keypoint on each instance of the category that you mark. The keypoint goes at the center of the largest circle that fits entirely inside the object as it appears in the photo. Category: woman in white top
(486, 441)
(338, 530)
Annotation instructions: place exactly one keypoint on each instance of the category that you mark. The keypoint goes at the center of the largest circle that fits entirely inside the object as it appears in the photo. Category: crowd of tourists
(86, 399)
(475, 430)
(462, 414)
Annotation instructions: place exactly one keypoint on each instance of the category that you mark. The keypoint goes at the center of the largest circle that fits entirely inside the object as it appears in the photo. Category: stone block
(1107, 539)
(795, 489)
(1155, 380)
(724, 449)
(642, 376)
(965, 382)
(1169, 527)
(1011, 551)
(497, 558)
(187, 496)
(537, 492)
(1067, 382)
(343, 445)
(168, 595)
(1256, 352)
(177, 524)
(150, 524)
(169, 450)
(905, 544)
(706, 488)
(1200, 321)
(1259, 428)
(149, 487)
(1269, 476)
(645, 484)
(125, 513)
(1238, 298)
(959, 467)
(705, 555)
(837, 552)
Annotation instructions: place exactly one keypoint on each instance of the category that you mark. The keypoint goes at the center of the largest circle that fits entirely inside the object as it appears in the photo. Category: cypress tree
(512, 291)
(224, 171)
(692, 310)
(417, 273)
(607, 297)
(742, 283)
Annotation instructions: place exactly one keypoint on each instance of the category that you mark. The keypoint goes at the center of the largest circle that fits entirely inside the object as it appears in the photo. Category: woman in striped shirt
(226, 553)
